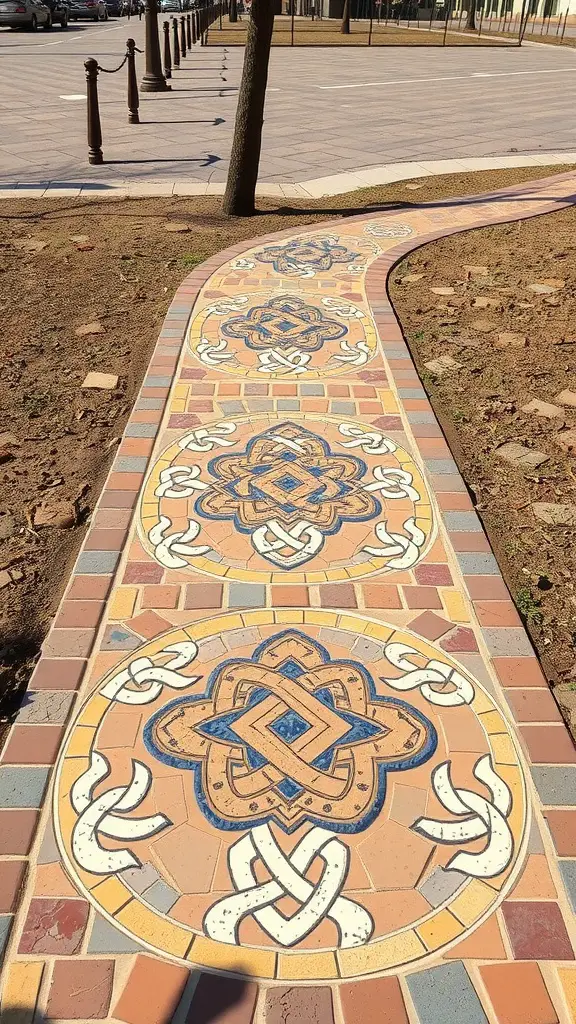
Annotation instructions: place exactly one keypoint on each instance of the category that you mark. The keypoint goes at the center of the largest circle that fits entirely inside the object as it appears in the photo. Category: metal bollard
(167, 54)
(175, 44)
(188, 33)
(93, 113)
(182, 37)
(196, 16)
(133, 99)
(193, 24)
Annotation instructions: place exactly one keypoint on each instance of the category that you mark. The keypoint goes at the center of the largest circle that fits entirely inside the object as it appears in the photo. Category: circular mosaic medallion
(283, 335)
(309, 499)
(292, 794)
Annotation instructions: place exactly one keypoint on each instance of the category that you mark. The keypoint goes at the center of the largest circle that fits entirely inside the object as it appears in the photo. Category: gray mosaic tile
(507, 642)
(473, 564)
(367, 650)
(157, 382)
(116, 638)
(311, 390)
(48, 852)
(441, 466)
(343, 408)
(231, 408)
(22, 787)
(161, 896)
(556, 786)
(141, 430)
(421, 417)
(149, 403)
(445, 995)
(568, 872)
(462, 522)
(247, 595)
(412, 393)
(45, 706)
(140, 878)
(5, 929)
(441, 885)
(131, 464)
(97, 563)
(288, 404)
(105, 938)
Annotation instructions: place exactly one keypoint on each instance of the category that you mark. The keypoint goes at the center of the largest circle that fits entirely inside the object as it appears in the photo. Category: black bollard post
(188, 33)
(133, 99)
(196, 17)
(193, 25)
(153, 80)
(182, 37)
(167, 54)
(175, 44)
(93, 113)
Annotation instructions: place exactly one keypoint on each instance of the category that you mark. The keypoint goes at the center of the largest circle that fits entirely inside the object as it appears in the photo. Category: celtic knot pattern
(305, 257)
(317, 901)
(283, 322)
(290, 736)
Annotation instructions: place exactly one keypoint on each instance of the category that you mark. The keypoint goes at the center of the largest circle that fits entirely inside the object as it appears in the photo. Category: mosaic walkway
(312, 769)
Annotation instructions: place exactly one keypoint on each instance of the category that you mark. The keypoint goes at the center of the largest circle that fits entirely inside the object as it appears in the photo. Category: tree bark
(245, 157)
(471, 19)
(345, 26)
(233, 11)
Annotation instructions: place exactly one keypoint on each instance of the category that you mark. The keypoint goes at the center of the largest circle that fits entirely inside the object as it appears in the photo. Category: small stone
(6, 453)
(462, 341)
(519, 455)
(7, 527)
(16, 575)
(84, 247)
(555, 515)
(93, 328)
(177, 228)
(78, 238)
(5, 579)
(543, 289)
(443, 291)
(482, 302)
(411, 278)
(567, 440)
(554, 282)
(543, 409)
(475, 271)
(510, 339)
(413, 185)
(442, 365)
(484, 326)
(59, 513)
(29, 244)
(565, 398)
(100, 381)
(551, 300)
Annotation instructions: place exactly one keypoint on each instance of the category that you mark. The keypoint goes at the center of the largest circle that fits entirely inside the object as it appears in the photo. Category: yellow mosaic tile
(293, 615)
(144, 924)
(122, 603)
(80, 742)
(307, 966)
(380, 955)
(20, 991)
(503, 748)
(262, 618)
(455, 606)
(440, 929)
(255, 963)
(493, 722)
(320, 618)
(95, 708)
(471, 903)
(111, 894)
(567, 977)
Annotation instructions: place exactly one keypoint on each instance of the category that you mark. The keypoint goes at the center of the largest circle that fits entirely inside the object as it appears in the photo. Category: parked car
(94, 9)
(60, 11)
(114, 8)
(25, 14)
(170, 5)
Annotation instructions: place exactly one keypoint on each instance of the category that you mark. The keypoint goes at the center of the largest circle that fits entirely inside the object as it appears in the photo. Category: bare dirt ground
(112, 266)
(327, 33)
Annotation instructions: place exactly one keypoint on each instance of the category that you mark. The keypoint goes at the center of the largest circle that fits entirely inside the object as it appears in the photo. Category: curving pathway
(312, 769)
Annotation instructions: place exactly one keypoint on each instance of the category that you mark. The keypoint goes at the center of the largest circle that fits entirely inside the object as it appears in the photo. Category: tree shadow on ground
(18, 652)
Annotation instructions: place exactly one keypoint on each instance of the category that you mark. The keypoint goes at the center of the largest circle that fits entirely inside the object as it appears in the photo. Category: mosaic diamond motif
(282, 322)
(306, 255)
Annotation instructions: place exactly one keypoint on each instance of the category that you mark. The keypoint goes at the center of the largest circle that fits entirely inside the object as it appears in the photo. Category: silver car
(25, 14)
(94, 9)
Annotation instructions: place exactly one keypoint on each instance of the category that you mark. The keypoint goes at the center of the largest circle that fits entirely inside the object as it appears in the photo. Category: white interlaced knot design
(317, 900)
(401, 551)
(147, 679)
(454, 689)
(98, 815)
(169, 550)
(370, 441)
(483, 818)
(204, 439)
(179, 482)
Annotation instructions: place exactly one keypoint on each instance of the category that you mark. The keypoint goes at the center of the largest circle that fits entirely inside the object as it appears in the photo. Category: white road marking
(448, 78)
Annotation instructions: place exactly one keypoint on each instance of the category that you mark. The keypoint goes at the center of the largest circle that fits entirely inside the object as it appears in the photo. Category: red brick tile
(32, 744)
(488, 588)
(338, 390)
(80, 990)
(562, 825)
(537, 931)
(191, 373)
(337, 595)
(54, 926)
(290, 597)
(314, 405)
(147, 415)
(183, 419)
(285, 389)
(422, 597)
(152, 992)
(228, 389)
(58, 674)
(143, 572)
(69, 643)
(458, 501)
(381, 595)
(470, 541)
(200, 405)
(430, 626)
(112, 518)
(17, 830)
(105, 540)
(76, 614)
(497, 613)
(125, 481)
(12, 874)
(203, 595)
(389, 423)
(148, 624)
(548, 744)
(433, 575)
(309, 1004)
(89, 588)
(519, 672)
(376, 1001)
(518, 994)
(461, 640)
(160, 597)
(222, 1001)
(364, 391)
(533, 705)
(369, 408)
(118, 499)
(141, 445)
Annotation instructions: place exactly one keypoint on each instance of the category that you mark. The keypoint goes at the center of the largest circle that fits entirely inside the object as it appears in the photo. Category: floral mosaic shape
(290, 736)
(294, 498)
(350, 766)
(306, 257)
(283, 322)
(283, 336)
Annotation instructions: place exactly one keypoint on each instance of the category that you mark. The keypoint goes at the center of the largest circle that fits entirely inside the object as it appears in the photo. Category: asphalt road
(328, 111)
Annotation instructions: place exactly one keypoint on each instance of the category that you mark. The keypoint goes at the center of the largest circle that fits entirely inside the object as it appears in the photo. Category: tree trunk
(233, 11)
(471, 19)
(345, 26)
(245, 156)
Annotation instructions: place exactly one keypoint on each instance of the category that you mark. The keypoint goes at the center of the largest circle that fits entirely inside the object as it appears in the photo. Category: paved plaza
(312, 771)
(327, 112)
